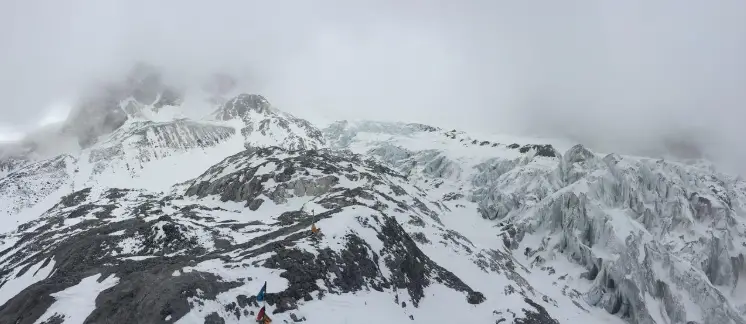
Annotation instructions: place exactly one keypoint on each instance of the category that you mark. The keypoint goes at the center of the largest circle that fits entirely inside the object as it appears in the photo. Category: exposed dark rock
(353, 268)
(537, 316)
(541, 150)
(420, 237)
(214, 318)
(116, 193)
(296, 319)
(475, 297)
(452, 196)
(74, 198)
(55, 319)
(132, 301)
(243, 103)
(255, 204)
(416, 221)
(411, 269)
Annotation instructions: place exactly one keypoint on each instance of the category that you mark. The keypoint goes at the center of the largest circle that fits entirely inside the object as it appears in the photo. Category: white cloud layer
(618, 75)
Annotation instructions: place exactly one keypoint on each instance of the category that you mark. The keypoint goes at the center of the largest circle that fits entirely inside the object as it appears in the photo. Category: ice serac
(380, 139)
(264, 125)
(342, 133)
(661, 241)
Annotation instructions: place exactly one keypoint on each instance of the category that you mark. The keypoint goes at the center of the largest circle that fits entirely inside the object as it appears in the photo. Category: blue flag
(260, 295)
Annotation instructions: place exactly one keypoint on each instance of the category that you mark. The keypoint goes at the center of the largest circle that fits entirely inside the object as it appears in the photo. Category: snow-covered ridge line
(147, 149)
(341, 133)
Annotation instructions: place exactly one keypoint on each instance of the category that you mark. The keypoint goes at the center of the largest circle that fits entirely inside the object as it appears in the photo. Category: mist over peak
(630, 77)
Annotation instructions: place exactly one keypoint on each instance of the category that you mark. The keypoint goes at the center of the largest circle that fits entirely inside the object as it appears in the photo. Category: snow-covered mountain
(160, 218)
(656, 241)
(129, 136)
(264, 125)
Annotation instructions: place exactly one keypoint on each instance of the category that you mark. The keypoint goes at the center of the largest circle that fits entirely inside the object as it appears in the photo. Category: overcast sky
(618, 75)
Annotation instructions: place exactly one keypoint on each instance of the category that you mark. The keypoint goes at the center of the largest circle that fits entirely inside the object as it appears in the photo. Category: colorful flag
(261, 315)
(260, 295)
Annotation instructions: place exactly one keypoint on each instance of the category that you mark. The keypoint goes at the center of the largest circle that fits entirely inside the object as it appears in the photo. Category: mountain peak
(239, 106)
(265, 125)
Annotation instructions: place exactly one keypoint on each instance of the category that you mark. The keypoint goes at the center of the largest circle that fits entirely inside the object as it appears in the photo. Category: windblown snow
(160, 218)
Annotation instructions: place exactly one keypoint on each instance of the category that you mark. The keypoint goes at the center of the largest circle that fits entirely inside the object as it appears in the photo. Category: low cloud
(634, 76)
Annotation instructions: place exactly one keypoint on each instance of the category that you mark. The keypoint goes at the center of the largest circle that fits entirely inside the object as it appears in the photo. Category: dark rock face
(353, 270)
(214, 318)
(541, 150)
(423, 127)
(356, 267)
(56, 319)
(411, 269)
(245, 183)
(134, 300)
(537, 316)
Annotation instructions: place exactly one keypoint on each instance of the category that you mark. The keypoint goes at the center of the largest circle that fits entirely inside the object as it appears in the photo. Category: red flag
(261, 314)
